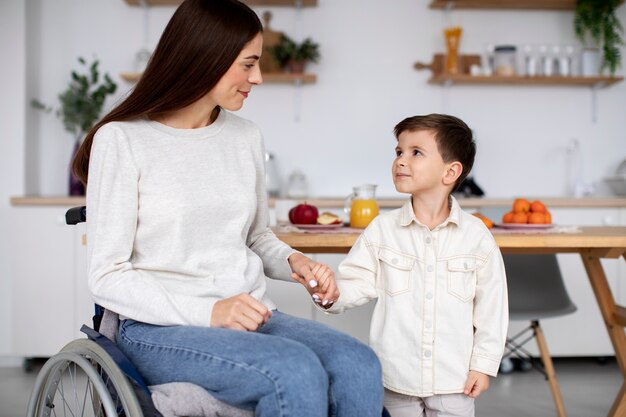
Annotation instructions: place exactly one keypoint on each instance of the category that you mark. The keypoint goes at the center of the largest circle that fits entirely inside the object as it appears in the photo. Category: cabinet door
(583, 332)
(42, 265)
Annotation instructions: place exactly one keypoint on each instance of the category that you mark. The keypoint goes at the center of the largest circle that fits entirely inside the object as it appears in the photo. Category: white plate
(524, 226)
(318, 226)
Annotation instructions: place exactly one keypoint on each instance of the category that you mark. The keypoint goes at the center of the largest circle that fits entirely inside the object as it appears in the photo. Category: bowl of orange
(525, 213)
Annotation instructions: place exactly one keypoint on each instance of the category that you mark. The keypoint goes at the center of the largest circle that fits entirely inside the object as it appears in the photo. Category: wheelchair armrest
(76, 215)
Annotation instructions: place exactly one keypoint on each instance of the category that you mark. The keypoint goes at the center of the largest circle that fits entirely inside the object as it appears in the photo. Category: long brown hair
(199, 44)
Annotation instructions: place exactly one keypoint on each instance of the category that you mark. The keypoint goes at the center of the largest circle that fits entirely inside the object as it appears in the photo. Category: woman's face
(234, 86)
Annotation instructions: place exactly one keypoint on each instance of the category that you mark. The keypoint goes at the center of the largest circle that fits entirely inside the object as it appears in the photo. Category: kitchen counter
(386, 203)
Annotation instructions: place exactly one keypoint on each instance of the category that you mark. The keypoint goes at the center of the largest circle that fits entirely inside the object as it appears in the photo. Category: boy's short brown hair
(454, 138)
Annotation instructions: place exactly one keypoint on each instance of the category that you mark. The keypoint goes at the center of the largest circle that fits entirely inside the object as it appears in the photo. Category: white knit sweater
(177, 219)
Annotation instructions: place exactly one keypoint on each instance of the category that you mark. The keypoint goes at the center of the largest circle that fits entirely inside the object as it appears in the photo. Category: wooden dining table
(592, 243)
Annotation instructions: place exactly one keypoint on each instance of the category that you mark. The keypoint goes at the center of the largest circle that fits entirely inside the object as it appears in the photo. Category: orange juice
(362, 212)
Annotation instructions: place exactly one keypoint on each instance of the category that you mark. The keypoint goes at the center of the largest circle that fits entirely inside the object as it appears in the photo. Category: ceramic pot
(76, 187)
(296, 67)
(590, 62)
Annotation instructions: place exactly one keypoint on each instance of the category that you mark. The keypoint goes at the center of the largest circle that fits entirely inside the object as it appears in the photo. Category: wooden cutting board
(270, 38)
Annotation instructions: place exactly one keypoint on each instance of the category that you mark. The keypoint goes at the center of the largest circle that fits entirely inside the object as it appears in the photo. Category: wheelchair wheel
(82, 380)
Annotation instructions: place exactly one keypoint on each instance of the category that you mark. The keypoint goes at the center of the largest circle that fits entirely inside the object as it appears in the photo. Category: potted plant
(80, 107)
(598, 29)
(293, 56)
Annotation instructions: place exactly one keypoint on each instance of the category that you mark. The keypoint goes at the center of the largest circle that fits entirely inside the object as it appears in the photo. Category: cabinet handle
(83, 239)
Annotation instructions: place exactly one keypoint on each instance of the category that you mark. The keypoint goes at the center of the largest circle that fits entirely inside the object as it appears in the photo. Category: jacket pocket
(395, 271)
(462, 278)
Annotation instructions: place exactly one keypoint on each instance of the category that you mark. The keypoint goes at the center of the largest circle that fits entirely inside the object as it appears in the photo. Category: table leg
(619, 406)
(609, 311)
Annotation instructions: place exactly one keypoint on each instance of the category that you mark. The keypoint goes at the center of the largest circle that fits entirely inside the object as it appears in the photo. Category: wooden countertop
(608, 241)
(386, 203)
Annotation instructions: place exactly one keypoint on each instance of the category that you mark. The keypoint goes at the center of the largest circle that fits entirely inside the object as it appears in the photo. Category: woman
(179, 242)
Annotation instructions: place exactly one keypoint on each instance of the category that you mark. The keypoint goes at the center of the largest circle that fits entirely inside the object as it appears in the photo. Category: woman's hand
(241, 312)
(317, 278)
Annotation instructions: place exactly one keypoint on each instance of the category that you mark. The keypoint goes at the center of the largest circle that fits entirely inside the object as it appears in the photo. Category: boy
(440, 322)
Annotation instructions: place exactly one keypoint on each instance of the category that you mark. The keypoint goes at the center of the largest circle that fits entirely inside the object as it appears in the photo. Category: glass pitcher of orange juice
(361, 205)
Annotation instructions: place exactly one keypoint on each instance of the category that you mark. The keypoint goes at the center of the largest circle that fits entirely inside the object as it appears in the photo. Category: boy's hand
(317, 278)
(476, 383)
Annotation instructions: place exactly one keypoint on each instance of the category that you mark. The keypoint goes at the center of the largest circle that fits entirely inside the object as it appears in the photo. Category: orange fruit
(536, 218)
(508, 217)
(485, 220)
(537, 207)
(519, 218)
(521, 205)
(547, 217)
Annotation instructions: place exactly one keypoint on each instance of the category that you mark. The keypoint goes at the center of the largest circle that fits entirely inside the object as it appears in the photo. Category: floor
(588, 387)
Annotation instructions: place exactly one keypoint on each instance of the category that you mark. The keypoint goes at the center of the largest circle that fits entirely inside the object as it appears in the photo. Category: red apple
(303, 214)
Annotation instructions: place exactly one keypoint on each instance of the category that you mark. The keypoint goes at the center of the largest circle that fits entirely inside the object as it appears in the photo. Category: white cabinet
(50, 299)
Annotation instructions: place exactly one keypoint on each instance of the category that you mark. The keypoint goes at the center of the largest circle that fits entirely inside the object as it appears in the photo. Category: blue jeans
(290, 367)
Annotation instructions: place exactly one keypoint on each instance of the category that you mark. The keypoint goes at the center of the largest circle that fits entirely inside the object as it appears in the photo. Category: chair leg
(549, 368)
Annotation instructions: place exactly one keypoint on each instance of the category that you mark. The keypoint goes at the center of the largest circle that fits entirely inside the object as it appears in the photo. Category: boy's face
(418, 166)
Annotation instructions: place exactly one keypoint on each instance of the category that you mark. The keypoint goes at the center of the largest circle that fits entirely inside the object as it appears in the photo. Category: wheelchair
(87, 378)
(93, 378)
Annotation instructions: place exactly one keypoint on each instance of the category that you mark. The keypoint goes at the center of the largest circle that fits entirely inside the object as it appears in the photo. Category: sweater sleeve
(112, 216)
(491, 315)
(261, 239)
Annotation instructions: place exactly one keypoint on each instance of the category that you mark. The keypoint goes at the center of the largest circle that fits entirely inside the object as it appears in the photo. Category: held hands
(241, 312)
(317, 278)
(476, 383)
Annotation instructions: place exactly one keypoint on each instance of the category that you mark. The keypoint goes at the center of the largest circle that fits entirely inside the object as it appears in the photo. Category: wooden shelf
(522, 80)
(288, 3)
(505, 4)
(273, 78)
(466, 61)
(287, 78)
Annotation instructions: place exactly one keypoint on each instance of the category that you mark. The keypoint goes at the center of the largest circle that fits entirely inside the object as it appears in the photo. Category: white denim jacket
(442, 306)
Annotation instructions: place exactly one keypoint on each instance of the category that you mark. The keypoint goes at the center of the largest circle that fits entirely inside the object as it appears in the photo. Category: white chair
(536, 291)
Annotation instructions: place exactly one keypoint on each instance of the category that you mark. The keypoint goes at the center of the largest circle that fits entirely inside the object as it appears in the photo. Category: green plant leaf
(288, 50)
(82, 101)
(595, 23)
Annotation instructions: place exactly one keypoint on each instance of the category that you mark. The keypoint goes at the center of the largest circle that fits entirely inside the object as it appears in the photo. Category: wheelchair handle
(76, 215)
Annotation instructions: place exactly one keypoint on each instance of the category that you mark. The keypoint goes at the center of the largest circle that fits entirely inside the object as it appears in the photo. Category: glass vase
(76, 186)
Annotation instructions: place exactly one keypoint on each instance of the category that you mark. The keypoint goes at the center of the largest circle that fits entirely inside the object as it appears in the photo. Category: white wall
(12, 105)
(366, 84)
